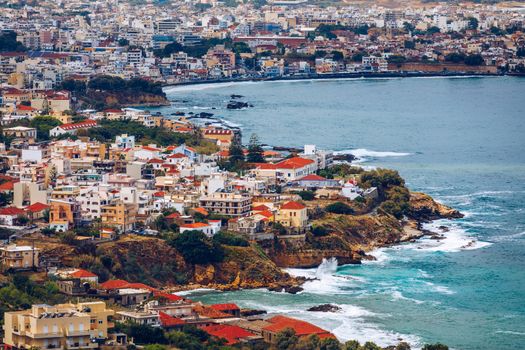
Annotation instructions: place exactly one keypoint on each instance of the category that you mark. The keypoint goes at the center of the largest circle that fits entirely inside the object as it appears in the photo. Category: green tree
(339, 208)
(286, 339)
(329, 344)
(228, 238)
(320, 231)
(474, 60)
(155, 347)
(337, 56)
(255, 150)
(352, 345)
(473, 23)
(196, 248)
(307, 195)
(236, 155)
(437, 346)
(370, 346)
(8, 42)
(311, 342)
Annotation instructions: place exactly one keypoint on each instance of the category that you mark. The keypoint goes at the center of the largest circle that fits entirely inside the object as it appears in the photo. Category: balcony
(84, 345)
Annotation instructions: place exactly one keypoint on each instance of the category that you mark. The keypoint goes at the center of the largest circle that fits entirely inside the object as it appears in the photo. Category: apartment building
(18, 257)
(119, 215)
(227, 203)
(63, 326)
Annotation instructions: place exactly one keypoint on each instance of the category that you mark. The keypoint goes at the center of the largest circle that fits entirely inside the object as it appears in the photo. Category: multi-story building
(18, 257)
(119, 215)
(227, 203)
(63, 326)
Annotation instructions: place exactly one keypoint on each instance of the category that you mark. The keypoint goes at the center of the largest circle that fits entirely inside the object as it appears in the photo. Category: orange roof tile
(292, 206)
(294, 163)
(232, 334)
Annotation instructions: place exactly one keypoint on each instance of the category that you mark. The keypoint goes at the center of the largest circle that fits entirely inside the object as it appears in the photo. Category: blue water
(462, 140)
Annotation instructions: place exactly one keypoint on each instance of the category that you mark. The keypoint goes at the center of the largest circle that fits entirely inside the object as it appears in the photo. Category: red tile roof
(217, 132)
(292, 206)
(195, 225)
(177, 155)
(11, 211)
(260, 207)
(312, 177)
(173, 216)
(114, 284)
(25, 108)
(80, 273)
(37, 207)
(231, 333)
(79, 125)
(201, 210)
(225, 307)
(168, 321)
(294, 163)
(301, 328)
(170, 297)
(7, 186)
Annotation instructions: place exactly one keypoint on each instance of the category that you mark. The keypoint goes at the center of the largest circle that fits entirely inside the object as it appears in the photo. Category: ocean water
(462, 140)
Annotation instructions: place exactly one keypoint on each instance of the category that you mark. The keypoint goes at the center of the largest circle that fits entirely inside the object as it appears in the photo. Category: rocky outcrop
(124, 99)
(237, 105)
(425, 208)
(324, 308)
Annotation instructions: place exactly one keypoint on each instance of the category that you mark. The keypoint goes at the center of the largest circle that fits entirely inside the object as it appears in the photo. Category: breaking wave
(363, 153)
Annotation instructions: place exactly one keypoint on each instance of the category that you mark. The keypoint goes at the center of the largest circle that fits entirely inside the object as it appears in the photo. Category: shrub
(228, 238)
(320, 231)
(339, 208)
(307, 195)
(437, 346)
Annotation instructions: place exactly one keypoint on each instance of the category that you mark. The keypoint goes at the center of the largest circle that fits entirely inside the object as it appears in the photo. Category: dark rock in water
(191, 113)
(237, 105)
(437, 237)
(233, 96)
(178, 113)
(213, 107)
(325, 308)
(345, 157)
(251, 105)
(287, 289)
(252, 312)
(444, 228)
(205, 115)
(293, 290)
(184, 101)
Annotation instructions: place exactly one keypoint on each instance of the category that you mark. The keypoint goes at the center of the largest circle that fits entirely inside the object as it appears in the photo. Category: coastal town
(110, 213)
(46, 42)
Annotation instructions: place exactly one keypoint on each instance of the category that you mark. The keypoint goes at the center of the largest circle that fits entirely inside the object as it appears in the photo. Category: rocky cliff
(153, 261)
(351, 236)
(107, 99)
(425, 208)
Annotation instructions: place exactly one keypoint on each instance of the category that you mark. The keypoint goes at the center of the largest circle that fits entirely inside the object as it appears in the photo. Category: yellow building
(292, 214)
(120, 215)
(63, 326)
(18, 257)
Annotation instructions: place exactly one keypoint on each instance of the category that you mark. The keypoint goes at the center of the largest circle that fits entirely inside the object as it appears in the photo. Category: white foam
(365, 153)
(455, 240)
(196, 291)
(200, 87)
(397, 295)
(325, 279)
(511, 332)
(439, 289)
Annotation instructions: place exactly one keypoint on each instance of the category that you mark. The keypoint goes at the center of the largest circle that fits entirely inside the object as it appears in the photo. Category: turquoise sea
(462, 140)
